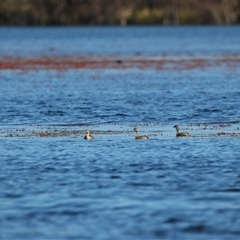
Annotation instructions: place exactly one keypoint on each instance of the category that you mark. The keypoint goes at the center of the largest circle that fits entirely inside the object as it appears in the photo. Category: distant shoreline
(120, 12)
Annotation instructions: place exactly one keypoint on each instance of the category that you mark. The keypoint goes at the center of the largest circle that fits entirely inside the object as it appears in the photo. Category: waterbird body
(88, 136)
(181, 134)
(137, 137)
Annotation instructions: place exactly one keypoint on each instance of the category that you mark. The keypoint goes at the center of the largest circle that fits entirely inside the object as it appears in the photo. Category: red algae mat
(118, 62)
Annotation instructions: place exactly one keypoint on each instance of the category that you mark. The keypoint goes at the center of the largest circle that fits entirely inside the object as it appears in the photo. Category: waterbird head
(176, 126)
(135, 130)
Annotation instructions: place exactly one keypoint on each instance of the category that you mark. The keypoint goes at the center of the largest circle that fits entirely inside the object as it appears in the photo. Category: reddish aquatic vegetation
(44, 134)
(65, 62)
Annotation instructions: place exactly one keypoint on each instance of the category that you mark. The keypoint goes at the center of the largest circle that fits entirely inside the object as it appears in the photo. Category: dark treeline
(118, 12)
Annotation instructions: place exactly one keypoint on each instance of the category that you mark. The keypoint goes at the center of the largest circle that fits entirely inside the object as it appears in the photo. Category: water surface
(56, 185)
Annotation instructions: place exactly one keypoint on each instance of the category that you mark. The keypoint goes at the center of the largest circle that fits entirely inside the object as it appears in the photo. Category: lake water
(56, 185)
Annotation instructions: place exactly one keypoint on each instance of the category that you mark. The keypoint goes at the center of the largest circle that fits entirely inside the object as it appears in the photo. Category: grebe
(181, 134)
(88, 136)
(144, 137)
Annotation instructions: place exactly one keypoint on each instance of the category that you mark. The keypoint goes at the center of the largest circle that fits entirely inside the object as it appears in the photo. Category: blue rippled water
(114, 187)
(120, 96)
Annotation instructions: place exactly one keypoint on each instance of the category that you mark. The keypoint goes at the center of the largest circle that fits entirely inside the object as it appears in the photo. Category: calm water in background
(115, 187)
(123, 41)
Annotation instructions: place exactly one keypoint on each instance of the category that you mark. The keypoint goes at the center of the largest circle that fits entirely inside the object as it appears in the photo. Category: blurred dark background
(119, 12)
